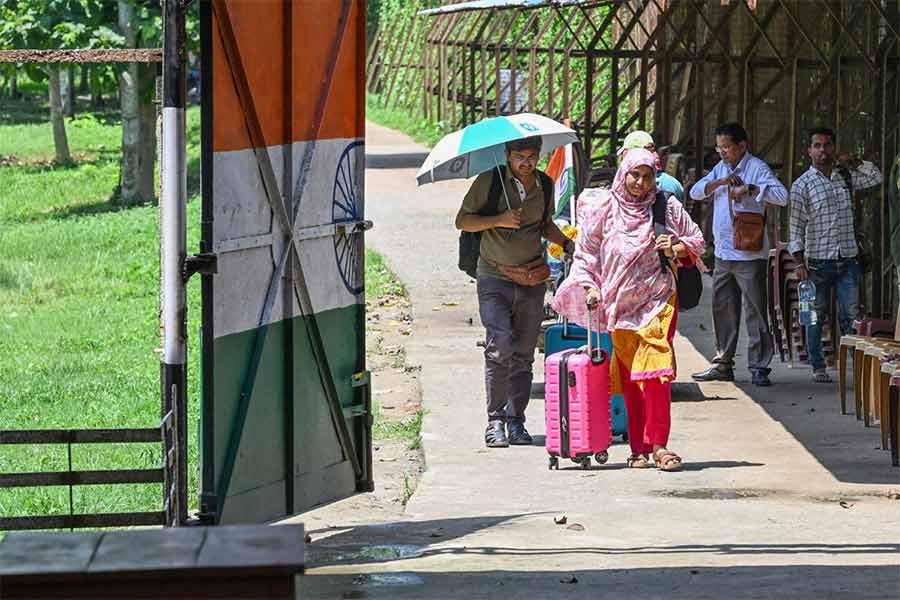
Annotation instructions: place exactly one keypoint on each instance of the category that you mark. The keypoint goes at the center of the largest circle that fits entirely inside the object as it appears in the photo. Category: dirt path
(782, 496)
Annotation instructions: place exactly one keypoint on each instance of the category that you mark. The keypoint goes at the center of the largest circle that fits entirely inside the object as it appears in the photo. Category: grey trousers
(512, 316)
(737, 282)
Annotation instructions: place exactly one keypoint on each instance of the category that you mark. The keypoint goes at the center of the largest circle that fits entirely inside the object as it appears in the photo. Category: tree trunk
(14, 85)
(138, 121)
(147, 149)
(131, 135)
(73, 99)
(65, 91)
(83, 84)
(57, 118)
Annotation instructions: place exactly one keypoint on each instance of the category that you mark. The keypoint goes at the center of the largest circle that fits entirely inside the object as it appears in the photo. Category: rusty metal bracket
(205, 263)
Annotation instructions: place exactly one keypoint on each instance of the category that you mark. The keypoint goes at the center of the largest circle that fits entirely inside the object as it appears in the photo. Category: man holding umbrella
(512, 208)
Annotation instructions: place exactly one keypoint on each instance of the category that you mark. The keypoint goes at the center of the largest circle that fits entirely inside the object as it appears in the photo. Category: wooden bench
(241, 561)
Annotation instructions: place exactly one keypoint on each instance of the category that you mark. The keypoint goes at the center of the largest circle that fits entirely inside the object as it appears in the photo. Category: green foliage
(51, 24)
(88, 24)
(373, 14)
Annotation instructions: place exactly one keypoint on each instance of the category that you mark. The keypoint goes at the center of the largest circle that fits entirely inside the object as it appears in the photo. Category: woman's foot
(666, 460)
(638, 461)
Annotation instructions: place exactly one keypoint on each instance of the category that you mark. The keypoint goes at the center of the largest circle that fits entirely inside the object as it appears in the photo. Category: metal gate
(285, 415)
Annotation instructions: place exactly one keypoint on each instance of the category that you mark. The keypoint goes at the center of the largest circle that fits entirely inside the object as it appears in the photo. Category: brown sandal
(637, 461)
(666, 460)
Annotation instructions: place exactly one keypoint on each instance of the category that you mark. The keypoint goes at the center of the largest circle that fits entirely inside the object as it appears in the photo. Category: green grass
(417, 128)
(380, 281)
(408, 430)
(78, 313)
(79, 301)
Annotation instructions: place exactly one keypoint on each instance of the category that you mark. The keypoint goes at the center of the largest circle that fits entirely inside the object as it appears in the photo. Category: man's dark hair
(821, 131)
(529, 143)
(734, 131)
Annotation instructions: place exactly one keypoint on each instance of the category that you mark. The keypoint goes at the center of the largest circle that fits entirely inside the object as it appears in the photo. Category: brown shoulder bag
(749, 228)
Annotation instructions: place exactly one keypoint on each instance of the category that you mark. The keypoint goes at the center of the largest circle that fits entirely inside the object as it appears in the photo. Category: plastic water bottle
(807, 290)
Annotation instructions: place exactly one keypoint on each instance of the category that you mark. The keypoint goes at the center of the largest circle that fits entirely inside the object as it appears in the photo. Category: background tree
(139, 24)
(54, 24)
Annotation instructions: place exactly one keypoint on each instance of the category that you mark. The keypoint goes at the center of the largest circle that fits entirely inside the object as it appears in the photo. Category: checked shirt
(821, 221)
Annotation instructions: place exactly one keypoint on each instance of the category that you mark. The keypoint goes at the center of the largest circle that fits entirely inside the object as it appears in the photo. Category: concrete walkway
(781, 495)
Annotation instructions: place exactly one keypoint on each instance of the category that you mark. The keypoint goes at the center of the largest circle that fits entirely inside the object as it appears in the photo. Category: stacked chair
(876, 379)
(784, 311)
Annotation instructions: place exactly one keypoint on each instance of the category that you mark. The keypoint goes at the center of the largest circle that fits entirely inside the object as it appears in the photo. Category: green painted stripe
(261, 457)
(489, 132)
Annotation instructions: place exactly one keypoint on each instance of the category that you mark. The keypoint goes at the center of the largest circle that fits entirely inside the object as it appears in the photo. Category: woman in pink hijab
(617, 264)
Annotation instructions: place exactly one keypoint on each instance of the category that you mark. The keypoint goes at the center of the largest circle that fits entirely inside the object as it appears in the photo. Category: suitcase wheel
(586, 463)
(554, 463)
(601, 457)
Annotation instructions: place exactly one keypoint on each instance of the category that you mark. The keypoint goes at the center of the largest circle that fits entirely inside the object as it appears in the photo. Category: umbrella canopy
(481, 146)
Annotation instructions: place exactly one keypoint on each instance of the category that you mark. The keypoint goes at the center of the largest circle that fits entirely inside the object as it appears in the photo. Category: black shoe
(760, 378)
(518, 435)
(495, 435)
(715, 373)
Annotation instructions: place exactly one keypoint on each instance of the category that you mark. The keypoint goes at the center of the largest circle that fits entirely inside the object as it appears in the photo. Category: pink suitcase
(577, 405)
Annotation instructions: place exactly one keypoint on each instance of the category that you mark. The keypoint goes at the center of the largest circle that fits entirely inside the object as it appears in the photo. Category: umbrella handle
(502, 185)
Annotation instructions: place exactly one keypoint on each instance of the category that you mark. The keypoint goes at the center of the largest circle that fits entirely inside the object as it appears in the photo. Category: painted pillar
(173, 234)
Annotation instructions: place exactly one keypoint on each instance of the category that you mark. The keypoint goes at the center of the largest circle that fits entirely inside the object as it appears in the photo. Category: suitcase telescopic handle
(598, 355)
(567, 264)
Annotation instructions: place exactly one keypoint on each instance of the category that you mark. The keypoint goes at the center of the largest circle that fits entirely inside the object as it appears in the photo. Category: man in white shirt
(823, 234)
(739, 276)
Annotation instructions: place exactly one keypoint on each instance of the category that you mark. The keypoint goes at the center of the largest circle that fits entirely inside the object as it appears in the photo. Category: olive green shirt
(502, 245)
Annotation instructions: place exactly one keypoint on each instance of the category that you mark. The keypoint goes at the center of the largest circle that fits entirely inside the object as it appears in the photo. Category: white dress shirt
(751, 170)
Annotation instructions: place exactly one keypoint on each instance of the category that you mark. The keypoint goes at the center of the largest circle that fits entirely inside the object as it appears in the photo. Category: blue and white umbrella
(481, 146)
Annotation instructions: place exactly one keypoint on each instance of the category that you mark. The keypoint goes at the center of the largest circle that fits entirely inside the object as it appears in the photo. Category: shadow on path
(418, 541)
(412, 160)
(808, 411)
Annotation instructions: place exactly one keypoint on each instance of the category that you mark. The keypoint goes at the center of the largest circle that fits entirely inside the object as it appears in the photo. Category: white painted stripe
(173, 224)
(241, 215)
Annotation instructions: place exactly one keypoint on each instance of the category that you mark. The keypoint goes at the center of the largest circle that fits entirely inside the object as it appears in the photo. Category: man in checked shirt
(739, 276)
(822, 233)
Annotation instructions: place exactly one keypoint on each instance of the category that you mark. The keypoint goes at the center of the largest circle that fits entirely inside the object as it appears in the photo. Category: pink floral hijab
(615, 253)
(631, 211)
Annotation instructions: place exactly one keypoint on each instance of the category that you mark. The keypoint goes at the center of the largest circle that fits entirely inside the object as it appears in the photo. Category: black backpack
(689, 279)
(470, 242)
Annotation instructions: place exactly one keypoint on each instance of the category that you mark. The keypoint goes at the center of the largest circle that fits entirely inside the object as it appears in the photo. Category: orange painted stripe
(289, 115)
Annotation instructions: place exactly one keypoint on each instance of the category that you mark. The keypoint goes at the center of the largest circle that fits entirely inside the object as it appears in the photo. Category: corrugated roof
(488, 4)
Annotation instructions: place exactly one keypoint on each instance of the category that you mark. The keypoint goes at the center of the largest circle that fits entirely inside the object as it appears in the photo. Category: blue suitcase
(564, 336)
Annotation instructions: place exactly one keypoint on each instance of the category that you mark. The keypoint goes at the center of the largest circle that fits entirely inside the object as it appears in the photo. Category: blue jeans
(842, 273)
